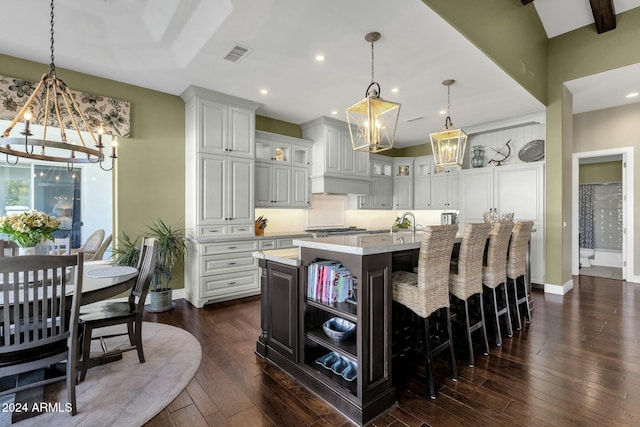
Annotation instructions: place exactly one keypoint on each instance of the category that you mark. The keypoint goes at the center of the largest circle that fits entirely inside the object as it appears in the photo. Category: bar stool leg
(527, 297)
(507, 311)
(467, 324)
(483, 327)
(453, 370)
(496, 316)
(429, 360)
(514, 286)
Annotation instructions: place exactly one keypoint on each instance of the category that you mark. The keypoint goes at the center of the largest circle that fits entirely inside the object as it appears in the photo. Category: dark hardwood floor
(577, 363)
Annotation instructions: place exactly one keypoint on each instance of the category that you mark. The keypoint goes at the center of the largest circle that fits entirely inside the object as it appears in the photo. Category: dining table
(100, 281)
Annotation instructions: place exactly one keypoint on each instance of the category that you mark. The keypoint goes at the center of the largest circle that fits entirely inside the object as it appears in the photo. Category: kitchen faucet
(413, 220)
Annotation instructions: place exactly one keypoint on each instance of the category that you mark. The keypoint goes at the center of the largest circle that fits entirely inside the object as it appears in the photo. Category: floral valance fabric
(112, 113)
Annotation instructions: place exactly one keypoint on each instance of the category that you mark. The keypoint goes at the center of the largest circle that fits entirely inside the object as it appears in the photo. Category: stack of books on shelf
(329, 282)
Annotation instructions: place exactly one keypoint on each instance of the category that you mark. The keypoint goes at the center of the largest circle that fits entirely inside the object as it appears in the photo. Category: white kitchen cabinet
(477, 194)
(336, 167)
(380, 195)
(282, 171)
(225, 193)
(403, 182)
(300, 188)
(445, 190)
(273, 185)
(219, 193)
(505, 189)
(421, 193)
(225, 129)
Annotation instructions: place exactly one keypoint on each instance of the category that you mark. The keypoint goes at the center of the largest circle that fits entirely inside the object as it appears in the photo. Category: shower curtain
(586, 215)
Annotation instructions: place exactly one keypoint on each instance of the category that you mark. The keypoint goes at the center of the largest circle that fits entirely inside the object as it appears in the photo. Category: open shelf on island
(346, 310)
(346, 348)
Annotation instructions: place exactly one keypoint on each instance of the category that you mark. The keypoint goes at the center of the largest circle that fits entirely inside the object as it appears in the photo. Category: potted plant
(172, 246)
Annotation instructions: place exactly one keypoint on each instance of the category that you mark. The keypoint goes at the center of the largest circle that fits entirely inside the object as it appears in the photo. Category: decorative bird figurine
(500, 153)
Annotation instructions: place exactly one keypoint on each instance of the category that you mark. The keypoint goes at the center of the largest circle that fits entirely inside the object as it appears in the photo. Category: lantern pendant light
(449, 144)
(373, 121)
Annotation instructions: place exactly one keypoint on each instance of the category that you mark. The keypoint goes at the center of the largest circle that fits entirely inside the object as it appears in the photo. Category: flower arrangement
(29, 228)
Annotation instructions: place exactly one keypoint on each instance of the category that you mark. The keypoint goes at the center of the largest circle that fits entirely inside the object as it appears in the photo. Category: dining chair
(38, 319)
(99, 254)
(465, 285)
(494, 276)
(57, 246)
(517, 275)
(8, 248)
(427, 294)
(92, 244)
(108, 313)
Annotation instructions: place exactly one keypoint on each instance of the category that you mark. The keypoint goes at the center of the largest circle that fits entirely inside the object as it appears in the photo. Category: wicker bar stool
(517, 276)
(427, 292)
(494, 274)
(466, 283)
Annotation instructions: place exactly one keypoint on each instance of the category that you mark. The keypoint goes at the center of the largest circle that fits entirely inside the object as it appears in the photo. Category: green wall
(601, 172)
(577, 54)
(509, 33)
(148, 178)
(280, 127)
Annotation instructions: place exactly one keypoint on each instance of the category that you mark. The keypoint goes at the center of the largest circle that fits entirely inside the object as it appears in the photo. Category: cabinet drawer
(212, 231)
(268, 244)
(229, 284)
(226, 247)
(241, 230)
(214, 264)
(284, 243)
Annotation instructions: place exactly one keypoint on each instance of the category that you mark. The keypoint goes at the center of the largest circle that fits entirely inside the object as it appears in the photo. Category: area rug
(127, 392)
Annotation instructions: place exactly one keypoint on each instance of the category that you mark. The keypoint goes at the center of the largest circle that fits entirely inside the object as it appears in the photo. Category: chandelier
(373, 121)
(448, 145)
(59, 105)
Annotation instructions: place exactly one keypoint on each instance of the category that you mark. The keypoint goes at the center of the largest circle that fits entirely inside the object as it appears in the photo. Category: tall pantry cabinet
(219, 191)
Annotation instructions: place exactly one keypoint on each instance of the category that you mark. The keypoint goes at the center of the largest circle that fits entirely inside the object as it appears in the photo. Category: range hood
(334, 184)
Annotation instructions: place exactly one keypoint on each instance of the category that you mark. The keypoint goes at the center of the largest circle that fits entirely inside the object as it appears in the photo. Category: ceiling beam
(526, 2)
(603, 15)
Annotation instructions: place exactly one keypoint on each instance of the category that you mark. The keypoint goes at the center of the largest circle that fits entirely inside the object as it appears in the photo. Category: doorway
(607, 261)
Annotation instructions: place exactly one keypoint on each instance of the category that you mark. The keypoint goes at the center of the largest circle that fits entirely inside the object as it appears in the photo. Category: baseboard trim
(558, 289)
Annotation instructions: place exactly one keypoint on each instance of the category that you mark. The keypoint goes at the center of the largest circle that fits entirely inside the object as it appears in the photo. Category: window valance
(112, 113)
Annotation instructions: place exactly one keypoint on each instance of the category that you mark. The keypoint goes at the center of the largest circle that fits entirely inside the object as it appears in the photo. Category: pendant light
(52, 100)
(373, 121)
(449, 144)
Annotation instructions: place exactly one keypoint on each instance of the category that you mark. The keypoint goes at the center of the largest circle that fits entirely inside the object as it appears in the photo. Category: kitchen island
(292, 320)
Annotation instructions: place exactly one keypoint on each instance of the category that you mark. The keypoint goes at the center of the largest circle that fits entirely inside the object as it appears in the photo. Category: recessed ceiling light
(320, 57)
(264, 91)
(632, 95)
(395, 90)
(334, 112)
(443, 112)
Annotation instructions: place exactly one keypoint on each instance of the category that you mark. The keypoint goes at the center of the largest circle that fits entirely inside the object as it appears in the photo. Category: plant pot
(161, 300)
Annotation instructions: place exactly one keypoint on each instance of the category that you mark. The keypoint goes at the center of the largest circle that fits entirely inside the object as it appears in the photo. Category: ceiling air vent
(237, 53)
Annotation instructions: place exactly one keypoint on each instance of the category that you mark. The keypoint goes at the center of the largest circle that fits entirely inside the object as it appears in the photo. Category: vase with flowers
(29, 228)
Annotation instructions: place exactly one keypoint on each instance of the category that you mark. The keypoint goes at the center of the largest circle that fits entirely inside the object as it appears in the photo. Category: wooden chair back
(57, 246)
(146, 267)
(8, 248)
(38, 318)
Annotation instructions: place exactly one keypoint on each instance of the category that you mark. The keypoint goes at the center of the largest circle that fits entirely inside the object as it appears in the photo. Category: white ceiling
(167, 45)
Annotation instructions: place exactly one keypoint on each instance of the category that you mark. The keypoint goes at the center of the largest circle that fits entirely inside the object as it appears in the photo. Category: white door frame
(627, 208)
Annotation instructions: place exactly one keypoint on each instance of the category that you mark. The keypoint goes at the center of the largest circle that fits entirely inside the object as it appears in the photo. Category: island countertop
(364, 244)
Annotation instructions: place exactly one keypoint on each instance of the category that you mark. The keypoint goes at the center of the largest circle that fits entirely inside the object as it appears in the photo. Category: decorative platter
(532, 151)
